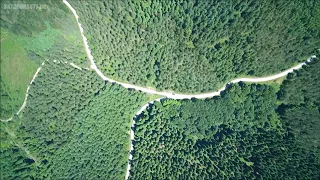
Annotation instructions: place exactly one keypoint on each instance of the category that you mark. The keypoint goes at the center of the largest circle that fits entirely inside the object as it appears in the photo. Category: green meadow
(16, 72)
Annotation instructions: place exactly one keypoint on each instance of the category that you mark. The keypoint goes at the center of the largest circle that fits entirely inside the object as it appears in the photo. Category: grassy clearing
(17, 71)
(276, 83)
(28, 38)
(153, 96)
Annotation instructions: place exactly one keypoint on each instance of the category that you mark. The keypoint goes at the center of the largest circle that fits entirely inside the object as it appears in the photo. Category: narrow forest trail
(26, 96)
(16, 143)
(27, 92)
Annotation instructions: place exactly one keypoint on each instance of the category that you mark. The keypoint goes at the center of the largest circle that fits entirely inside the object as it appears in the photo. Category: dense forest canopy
(300, 109)
(74, 126)
(195, 45)
(238, 135)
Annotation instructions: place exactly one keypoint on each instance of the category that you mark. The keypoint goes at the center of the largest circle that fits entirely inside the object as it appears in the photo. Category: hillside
(197, 46)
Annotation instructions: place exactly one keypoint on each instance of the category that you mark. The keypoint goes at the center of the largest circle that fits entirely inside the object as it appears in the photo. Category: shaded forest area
(198, 46)
(300, 108)
(242, 134)
(74, 126)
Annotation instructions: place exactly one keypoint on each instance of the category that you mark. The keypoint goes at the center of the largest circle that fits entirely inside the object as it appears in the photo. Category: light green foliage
(57, 95)
(16, 72)
(99, 143)
(247, 163)
(197, 46)
(237, 136)
(50, 32)
(74, 125)
(42, 42)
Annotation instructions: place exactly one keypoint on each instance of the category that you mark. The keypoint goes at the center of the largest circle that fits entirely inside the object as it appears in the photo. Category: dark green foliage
(300, 95)
(74, 126)
(237, 135)
(198, 45)
(13, 158)
(240, 104)
(99, 143)
(302, 86)
(5, 108)
(56, 96)
(304, 122)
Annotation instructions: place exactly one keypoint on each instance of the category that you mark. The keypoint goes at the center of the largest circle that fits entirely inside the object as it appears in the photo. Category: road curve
(201, 96)
(165, 93)
(144, 107)
(151, 91)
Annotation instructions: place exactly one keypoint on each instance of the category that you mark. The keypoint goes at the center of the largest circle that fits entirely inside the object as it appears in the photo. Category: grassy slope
(16, 72)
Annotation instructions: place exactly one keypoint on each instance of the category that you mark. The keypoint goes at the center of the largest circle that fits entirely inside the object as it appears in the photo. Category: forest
(249, 132)
(28, 38)
(75, 126)
(300, 108)
(198, 46)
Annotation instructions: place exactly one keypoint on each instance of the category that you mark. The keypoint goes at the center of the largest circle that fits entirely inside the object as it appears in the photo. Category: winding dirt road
(164, 93)
(151, 91)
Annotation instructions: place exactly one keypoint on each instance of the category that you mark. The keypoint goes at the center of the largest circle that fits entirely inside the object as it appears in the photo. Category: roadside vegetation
(242, 134)
(300, 108)
(196, 46)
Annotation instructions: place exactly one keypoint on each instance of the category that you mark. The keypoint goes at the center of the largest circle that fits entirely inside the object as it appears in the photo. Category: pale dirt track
(165, 94)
